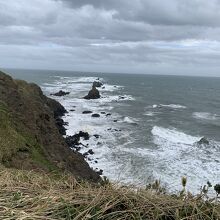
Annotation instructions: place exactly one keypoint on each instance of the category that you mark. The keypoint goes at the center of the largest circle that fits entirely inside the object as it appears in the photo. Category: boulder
(74, 140)
(93, 94)
(99, 172)
(85, 155)
(96, 136)
(86, 112)
(60, 93)
(203, 141)
(91, 152)
(84, 135)
(95, 115)
(121, 97)
(97, 84)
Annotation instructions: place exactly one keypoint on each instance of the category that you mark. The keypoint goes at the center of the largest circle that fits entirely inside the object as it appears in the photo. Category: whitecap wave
(109, 131)
(149, 113)
(172, 106)
(179, 156)
(173, 135)
(205, 116)
(172, 154)
(85, 79)
(130, 120)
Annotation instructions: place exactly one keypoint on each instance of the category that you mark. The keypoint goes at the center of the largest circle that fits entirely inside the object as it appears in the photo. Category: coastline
(119, 152)
(88, 139)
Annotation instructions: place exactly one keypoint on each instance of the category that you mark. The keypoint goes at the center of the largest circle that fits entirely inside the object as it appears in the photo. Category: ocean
(149, 125)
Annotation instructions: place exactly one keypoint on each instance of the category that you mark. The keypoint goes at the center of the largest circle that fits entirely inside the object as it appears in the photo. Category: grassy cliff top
(29, 136)
(30, 195)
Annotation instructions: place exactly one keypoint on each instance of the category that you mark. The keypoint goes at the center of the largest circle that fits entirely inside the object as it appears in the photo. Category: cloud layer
(140, 36)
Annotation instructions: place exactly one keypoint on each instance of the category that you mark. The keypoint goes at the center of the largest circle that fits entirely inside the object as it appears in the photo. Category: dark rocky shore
(74, 141)
(31, 130)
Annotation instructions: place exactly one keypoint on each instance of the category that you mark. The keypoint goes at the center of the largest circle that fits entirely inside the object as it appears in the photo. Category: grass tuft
(30, 195)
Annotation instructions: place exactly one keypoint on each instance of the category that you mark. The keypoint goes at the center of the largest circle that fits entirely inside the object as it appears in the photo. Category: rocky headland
(31, 130)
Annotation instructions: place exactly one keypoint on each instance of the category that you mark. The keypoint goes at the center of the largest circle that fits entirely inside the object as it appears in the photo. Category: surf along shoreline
(81, 140)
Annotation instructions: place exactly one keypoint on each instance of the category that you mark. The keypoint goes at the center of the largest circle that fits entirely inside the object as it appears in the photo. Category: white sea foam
(205, 116)
(130, 120)
(103, 147)
(150, 113)
(178, 155)
(172, 154)
(174, 135)
(172, 106)
(110, 88)
(70, 79)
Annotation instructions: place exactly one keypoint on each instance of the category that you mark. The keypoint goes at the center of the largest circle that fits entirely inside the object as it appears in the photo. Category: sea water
(153, 128)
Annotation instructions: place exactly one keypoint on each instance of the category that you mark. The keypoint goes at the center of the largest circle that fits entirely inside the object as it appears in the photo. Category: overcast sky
(131, 36)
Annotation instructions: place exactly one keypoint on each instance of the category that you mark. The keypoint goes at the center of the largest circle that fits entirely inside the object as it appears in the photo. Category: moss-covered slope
(29, 137)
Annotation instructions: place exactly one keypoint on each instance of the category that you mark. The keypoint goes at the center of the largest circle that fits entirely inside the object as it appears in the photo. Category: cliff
(29, 136)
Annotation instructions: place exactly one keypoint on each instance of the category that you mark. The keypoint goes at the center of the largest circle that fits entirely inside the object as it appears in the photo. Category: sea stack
(93, 93)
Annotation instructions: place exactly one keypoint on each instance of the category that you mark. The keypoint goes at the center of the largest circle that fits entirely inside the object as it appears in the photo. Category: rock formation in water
(203, 141)
(31, 131)
(93, 94)
(61, 93)
(97, 84)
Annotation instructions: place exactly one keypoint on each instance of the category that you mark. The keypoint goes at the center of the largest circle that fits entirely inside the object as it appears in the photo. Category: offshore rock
(95, 115)
(97, 84)
(86, 112)
(61, 93)
(93, 94)
(203, 141)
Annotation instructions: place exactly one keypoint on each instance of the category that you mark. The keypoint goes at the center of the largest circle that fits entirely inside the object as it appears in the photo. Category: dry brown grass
(28, 195)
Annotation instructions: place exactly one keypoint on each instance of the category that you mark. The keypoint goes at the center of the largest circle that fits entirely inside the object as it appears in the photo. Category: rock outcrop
(203, 141)
(86, 112)
(93, 94)
(95, 115)
(97, 84)
(31, 131)
(61, 93)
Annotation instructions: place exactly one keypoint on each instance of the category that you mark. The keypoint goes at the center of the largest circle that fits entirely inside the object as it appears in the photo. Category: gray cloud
(157, 12)
(113, 35)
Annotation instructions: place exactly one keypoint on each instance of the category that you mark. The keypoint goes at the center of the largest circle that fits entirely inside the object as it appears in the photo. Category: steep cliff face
(29, 137)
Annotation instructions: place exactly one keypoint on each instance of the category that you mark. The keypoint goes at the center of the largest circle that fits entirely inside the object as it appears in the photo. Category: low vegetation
(30, 195)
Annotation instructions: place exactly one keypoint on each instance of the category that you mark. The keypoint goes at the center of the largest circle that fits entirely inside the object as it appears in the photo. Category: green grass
(38, 157)
(12, 140)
